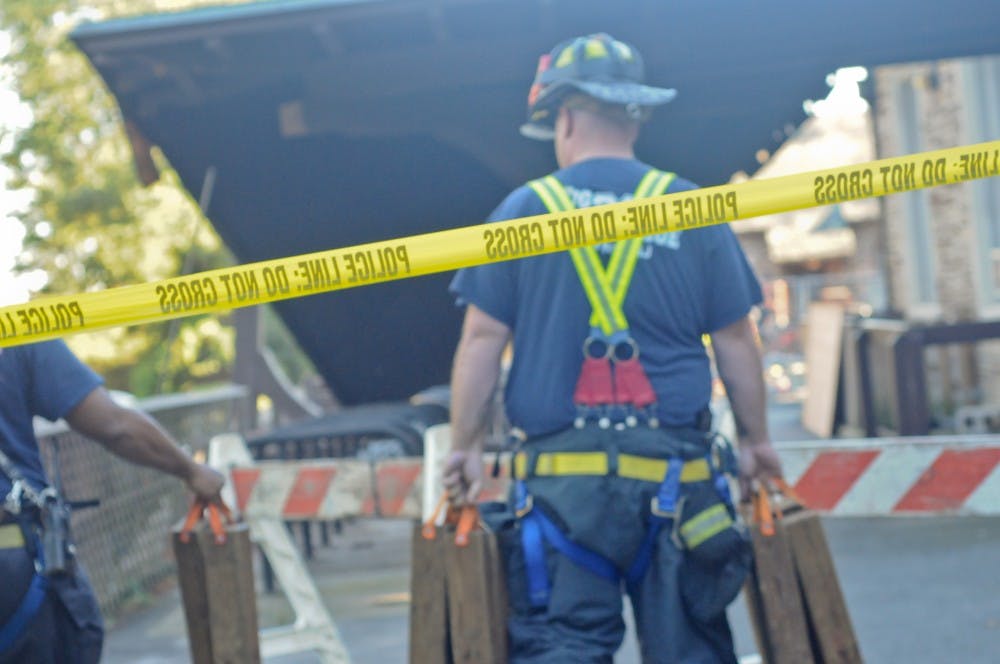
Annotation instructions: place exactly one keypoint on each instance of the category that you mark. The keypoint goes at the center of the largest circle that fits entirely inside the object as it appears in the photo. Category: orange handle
(786, 489)
(218, 516)
(762, 512)
(465, 518)
(193, 516)
(468, 518)
(429, 529)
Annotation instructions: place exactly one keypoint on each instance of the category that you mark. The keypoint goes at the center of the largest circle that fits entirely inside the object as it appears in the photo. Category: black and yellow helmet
(596, 65)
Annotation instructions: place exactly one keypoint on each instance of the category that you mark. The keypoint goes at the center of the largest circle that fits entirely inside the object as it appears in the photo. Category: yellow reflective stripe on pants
(11, 536)
(705, 525)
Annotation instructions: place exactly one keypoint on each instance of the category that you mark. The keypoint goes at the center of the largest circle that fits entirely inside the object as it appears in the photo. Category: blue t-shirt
(686, 284)
(44, 379)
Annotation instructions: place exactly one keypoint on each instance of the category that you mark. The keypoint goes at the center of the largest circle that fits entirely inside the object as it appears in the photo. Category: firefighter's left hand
(463, 476)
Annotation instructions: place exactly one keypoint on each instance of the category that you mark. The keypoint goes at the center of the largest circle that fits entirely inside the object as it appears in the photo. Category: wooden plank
(476, 622)
(775, 602)
(429, 643)
(232, 603)
(829, 619)
(191, 575)
(220, 605)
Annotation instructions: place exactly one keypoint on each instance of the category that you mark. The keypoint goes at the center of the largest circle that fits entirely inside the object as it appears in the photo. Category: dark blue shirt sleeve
(732, 287)
(59, 380)
(493, 287)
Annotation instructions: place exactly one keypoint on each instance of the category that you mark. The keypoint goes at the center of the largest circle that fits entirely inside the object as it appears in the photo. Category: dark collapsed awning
(331, 123)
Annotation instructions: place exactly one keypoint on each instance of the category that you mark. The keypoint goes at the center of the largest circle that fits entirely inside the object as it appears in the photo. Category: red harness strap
(595, 386)
(632, 386)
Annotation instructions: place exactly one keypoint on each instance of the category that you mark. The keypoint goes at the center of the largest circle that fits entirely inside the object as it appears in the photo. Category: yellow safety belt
(605, 288)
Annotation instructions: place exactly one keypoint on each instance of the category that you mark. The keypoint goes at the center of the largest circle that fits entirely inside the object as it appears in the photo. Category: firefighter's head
(597, 73)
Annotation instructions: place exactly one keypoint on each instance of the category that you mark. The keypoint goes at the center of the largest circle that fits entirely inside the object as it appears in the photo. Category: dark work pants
(583, 621)
(67, 629)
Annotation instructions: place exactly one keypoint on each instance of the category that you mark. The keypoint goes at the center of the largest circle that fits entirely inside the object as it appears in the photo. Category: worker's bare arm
(134, 436)
(738, 359)
(474, 378)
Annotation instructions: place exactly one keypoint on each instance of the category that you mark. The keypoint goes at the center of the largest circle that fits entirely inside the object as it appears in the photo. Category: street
(919, 590)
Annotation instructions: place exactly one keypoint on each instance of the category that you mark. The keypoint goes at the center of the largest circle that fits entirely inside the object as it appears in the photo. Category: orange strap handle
(764, 512)
(468, 518)
(429, 529)
(786, 489)
(763, 515)
(218, 516)
(465, 518)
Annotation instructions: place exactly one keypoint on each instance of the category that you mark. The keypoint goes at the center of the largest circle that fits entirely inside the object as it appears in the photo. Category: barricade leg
(313, 628)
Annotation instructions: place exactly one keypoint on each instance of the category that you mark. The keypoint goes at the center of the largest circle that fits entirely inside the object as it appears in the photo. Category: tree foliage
(90, 224)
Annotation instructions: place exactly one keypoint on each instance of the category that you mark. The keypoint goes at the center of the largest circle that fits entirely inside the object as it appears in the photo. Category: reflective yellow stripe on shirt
(605, 288)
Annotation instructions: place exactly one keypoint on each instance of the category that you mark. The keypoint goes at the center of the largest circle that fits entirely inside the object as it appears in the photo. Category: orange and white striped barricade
(313, 628)
(955, 474)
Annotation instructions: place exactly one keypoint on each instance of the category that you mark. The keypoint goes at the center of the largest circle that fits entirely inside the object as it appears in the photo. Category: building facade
(943, 244)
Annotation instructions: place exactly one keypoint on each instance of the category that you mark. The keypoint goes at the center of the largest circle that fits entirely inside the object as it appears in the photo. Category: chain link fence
(124, 542)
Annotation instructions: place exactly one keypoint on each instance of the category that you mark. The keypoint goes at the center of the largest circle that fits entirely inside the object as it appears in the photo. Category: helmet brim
(617, 92)
(537, 132)
(626, 93)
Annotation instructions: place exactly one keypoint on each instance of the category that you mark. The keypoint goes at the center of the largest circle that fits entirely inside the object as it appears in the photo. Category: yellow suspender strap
(605, 289)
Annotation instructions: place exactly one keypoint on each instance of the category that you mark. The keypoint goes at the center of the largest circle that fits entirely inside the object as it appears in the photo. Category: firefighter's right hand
(463, 476)
(205, 481)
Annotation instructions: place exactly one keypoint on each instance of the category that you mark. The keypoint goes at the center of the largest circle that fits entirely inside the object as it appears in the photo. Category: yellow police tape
(296, 276)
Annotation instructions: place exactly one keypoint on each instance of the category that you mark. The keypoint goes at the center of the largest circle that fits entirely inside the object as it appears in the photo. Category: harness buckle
(525, 507)
(12, 502)
(654, 508)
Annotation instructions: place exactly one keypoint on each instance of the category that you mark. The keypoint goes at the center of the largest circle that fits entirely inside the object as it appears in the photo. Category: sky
(13, 114)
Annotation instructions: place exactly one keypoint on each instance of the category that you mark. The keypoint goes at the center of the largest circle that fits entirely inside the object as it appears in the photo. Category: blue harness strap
(536, 529)
(662, 510)
(33, 598)
(29, 606)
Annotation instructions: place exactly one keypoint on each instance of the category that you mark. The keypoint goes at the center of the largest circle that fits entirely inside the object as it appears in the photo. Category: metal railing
(892, 370)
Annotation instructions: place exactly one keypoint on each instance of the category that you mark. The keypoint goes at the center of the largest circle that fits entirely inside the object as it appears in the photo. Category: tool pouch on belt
(717, 552)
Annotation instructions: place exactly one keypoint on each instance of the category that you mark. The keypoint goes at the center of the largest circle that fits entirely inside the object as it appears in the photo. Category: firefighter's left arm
(737, 357)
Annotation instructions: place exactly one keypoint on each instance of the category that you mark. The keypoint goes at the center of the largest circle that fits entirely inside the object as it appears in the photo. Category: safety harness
(16, 535)
(611, 376)
(537, 528)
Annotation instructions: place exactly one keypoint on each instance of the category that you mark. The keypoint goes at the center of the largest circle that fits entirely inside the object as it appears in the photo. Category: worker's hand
(758, 461)
(205, 481)
(463, 476)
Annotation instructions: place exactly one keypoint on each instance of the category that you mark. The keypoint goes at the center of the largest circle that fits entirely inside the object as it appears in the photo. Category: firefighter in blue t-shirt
(48, 612)
(618, 481)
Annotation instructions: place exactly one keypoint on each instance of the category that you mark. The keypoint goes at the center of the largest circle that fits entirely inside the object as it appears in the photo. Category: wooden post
(477, 601)
(829, 621)
(429, 642)
(774, 601)
(217, 591)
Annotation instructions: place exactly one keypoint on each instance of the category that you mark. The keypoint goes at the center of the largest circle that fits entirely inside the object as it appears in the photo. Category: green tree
(90, 224)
